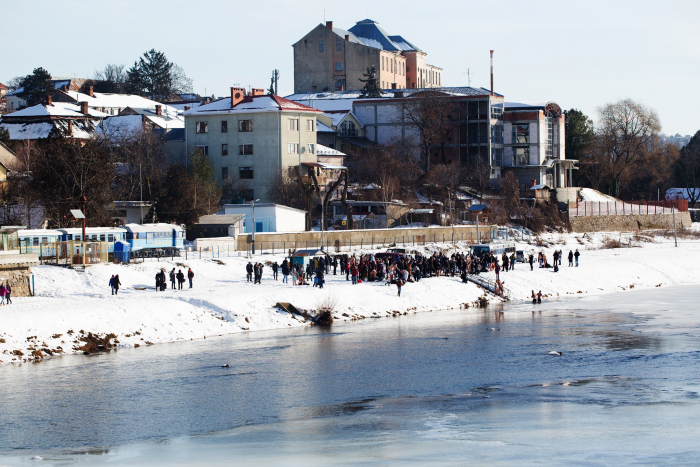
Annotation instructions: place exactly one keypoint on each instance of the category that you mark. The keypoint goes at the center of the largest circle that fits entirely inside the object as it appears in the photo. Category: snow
(589, 194)
(22, 131)
(57, 109)
(221, 299)
(266, 103)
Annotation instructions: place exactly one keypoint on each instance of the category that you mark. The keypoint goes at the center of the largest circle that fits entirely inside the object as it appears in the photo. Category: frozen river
(441, 388)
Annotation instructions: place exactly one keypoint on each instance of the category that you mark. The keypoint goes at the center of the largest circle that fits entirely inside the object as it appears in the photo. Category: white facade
(269, 217)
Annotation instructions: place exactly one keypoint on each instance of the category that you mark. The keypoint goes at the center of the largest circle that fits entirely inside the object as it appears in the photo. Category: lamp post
(323, 221)
(252, 203)
(477, 227)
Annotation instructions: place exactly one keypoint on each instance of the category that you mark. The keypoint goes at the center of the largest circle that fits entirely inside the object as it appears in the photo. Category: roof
(477, 207)
(56, 109)
(159, 227)
(58, 82)
(539, 187)
(324, 165)
(251, 104)
(323, 128)
(226, 219)
(322, 150)
(331, 101)
(2, 86)
(261, 205)
(309, 252)
(369, 32)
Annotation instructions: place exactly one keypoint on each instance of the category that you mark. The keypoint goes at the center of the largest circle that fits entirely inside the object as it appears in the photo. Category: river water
(443, 388)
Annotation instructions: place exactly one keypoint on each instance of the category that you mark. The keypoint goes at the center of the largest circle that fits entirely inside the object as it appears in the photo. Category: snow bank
(222, 302)
(589, 194)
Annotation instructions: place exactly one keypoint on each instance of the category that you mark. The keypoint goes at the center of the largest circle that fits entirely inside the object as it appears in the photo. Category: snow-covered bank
(222, 302)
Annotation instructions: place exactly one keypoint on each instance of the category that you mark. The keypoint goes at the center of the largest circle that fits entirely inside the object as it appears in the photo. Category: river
(458, 387)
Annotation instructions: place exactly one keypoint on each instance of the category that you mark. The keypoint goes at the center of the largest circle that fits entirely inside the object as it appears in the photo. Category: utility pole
(83, 200)
(252, 203)
(323, 221)
(141, 184)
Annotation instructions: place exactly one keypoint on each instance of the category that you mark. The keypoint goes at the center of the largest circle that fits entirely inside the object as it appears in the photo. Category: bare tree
(111, 79)
(285, 191)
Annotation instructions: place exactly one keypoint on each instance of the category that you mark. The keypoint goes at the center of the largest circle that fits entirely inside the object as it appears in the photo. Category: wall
(627, 223)
(223, 243)
(16, 268)
(274, 218)
(380, 236)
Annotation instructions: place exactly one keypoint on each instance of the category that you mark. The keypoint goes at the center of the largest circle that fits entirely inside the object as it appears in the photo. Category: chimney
(533, 182)
(90, 89)
(206, 100)
(492, 72)
(257, 92)
(347, 38)
(84, 108)
(49, 101)
(187, 107)
(159, 110)
(329, 25)
(64, 88)
(398, 94)
(237, 95)
(70, 127)
(143, 121)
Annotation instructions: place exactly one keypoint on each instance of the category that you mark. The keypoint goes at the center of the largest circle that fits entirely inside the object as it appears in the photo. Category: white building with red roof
(253, 138)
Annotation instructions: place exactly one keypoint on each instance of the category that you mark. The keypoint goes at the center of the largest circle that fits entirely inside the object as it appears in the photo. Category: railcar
(149, 240)
(95, 234)
(39, 241)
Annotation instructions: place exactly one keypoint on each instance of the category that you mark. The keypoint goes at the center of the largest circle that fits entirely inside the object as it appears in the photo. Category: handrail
(488, 285)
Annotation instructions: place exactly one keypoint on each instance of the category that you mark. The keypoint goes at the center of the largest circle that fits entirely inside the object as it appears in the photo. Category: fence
(619, 208)
(69, 253)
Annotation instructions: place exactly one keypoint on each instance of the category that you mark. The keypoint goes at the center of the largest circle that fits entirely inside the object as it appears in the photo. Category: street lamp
(252, 203)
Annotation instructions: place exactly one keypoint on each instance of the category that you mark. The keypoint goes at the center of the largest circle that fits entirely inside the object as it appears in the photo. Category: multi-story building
(254, 138)
(333, 59)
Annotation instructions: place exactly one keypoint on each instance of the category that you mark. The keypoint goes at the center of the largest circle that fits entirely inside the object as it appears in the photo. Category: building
(269, 217)
(217, 226)
(3, 100)
(14, 102)
(369, 214)
(253, 138)
(333, 59)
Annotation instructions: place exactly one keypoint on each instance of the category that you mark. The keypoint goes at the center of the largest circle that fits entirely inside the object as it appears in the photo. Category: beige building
(333, 59)
(253, 138)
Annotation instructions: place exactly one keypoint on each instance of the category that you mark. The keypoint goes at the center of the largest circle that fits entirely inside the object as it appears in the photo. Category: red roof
(286, 104)
(2, 86)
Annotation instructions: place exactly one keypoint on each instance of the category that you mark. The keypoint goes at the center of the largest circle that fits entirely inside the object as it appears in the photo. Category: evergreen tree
(4, 136)
(151, 76)
(37, 87)
(272, 86)
(371, 87)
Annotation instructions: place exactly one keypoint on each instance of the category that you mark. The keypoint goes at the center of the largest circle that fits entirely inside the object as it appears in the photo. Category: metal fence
(619, 208)
(70, 253)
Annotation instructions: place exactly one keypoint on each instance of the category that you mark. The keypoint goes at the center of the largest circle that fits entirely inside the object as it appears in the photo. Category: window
(245, 173)
(245, 149)
(550, 137)
(497, 134)
(293, 124)
(204, 149)
(149, 237)
(321, 46)
(224, 173)
(521, 133)
(224, 126)
(102, 237)
(245, 125)
(201, 127)
(497, 157)
(292, 148)
(310, 147)
(382, 63)
(338, 66)
(521, 156)
(309, 125)
(224, 149)
(497, 111)
(339, 45)
(35, 241)
(110, 238)
(248, 194)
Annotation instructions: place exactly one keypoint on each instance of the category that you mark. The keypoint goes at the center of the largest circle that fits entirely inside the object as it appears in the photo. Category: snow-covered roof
(323, 128)
(369, 32)
(159, 227)
(38, 233)
(22, 131)
(322, 150)
(541, 186)
(589, 194)
(92, 230)
(56, 109)
(251, 104)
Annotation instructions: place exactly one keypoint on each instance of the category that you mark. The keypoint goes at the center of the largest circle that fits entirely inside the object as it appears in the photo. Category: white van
(495, 248)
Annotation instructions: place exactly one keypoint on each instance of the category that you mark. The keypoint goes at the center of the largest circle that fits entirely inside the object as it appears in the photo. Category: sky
(578, 54)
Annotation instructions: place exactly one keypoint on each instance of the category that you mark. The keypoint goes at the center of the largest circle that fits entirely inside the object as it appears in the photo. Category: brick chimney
(49, 101)
(70, 127)
(347, 38)
(329, 25)
(159, 110)
(64, 88)
(143, 121)
(187, 107)
(257, 92)
(90, 93)
(533, 182)
(237, 95)
(84, 108)
(206, 101)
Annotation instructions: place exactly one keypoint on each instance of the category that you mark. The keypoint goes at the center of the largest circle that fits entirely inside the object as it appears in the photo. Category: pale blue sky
(578, 54)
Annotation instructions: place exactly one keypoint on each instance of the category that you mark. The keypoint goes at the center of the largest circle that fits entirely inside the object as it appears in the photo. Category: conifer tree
(36, 87)
(371, 88)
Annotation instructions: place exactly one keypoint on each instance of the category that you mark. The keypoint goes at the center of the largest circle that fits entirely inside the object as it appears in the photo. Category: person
(8, 292)
(399, 283)
(285, 271)
(3, 291)
(497, 269)
(172, 279)
(576, 255)
(320, 274)
(275, 268)
(115, 284)
(512, 262)
(556, 266)
(531, 260)
(190, 276)
(249, 271)
(335, 264)
(571, 258)
(295, 276)
(111, 283)
(157, 281)
(539, 297)
(534, 298)
(180, 279)
(163, 281)
(353, 272)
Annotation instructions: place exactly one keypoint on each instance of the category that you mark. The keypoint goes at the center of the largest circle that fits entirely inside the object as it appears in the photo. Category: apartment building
(253, 137)
(333, 59)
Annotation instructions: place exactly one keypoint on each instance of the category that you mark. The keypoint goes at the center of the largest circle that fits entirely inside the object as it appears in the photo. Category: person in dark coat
(8, 292)
(115, 284)
(275, 268)
(576, 255)
(180, 279)
(172, 278)
(163, 280)
(158, 281)
(571, 258)
(111, 283)
(320, 275)
(249, 271)
(285, 271)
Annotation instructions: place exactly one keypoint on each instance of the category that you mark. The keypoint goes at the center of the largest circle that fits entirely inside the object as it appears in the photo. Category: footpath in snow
(72, 303)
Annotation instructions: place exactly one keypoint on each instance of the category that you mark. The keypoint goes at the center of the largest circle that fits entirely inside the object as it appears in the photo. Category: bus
(494, 248)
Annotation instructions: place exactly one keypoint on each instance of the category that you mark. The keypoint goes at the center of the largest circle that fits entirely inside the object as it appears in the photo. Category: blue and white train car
(39, 241)
(95, 234)
(155, 239)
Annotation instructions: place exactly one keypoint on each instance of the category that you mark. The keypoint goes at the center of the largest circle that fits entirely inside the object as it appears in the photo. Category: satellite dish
(302, 150)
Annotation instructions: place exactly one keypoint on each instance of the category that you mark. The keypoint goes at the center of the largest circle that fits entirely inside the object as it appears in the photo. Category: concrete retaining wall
(344, 238)
(224, 243)
(630, 222)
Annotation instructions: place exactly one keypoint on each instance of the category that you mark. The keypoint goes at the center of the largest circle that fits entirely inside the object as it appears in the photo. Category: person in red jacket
(190, 276)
